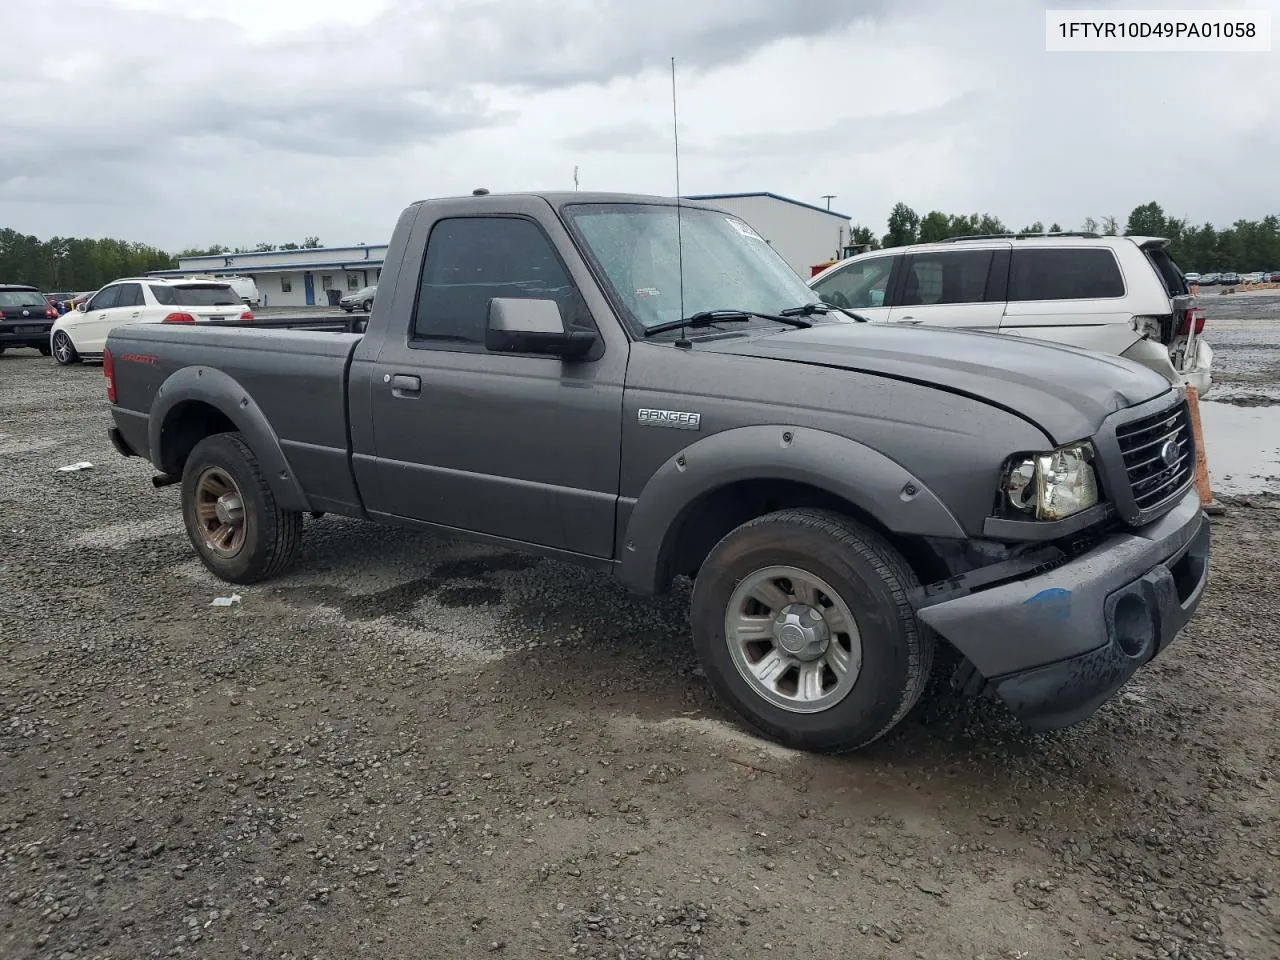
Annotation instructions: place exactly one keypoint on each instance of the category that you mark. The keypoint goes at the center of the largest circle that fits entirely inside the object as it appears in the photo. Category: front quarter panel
(919, 460)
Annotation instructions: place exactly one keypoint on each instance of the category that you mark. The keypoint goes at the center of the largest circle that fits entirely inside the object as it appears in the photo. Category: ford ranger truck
(642, 385)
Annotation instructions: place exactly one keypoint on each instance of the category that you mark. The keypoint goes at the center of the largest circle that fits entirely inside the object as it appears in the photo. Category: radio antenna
(683, 341)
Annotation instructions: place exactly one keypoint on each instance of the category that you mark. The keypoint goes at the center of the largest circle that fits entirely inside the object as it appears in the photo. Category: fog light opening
(1135, 630)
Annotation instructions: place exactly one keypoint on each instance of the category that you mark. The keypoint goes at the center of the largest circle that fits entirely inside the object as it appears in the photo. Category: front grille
(1159, 455)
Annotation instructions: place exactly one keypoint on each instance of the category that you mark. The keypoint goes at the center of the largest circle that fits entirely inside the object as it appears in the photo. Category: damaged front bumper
(1057, 645)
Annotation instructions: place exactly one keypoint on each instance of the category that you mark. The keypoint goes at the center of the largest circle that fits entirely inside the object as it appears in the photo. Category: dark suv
(25, 317)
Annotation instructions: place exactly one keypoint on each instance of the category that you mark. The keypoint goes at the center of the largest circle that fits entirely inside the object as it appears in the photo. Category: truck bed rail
(355, 323)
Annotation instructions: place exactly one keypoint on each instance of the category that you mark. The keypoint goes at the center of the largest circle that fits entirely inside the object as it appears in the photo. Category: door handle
(138, 314)
(403, 383)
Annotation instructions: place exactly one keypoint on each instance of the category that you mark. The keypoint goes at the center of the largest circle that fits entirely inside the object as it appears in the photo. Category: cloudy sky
(191, 122)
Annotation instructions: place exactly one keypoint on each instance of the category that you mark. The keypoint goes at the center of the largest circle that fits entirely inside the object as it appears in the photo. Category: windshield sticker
(743, 229)
(647, 291)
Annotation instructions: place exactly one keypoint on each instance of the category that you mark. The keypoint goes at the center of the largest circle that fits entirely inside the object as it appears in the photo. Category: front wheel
(64, 351)
(232, 518)
(802, 624)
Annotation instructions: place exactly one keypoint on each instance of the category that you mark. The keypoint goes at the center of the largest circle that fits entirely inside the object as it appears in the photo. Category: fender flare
(842, 467)
(210, 386)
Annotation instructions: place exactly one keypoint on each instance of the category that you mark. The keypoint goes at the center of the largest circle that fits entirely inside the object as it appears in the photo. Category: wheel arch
(724, 480)
(197, 402)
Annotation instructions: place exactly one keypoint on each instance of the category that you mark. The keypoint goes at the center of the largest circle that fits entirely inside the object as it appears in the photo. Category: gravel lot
(409, 748)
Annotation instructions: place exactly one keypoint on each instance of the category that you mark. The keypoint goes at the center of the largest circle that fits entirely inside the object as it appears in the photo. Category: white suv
(82, 332)
(1119, 295)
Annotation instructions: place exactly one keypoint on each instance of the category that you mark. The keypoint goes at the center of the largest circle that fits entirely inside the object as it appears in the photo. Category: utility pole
(575, 178)
(828, 197)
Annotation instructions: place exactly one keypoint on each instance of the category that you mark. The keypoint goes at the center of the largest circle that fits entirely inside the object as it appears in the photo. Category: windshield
(197, 295)
(22, 298)
(727, 265)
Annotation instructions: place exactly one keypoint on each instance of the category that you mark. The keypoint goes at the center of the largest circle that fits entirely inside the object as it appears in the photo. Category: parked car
(1274, 276)
(361, 300)
(1119, 295)
(1192, 277)
(548, 375)
(25, 317)
(1230, 277)
(1210, 279)
(81, 333)
(1254, 277)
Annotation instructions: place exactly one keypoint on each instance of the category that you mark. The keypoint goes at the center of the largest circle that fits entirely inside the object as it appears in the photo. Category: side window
(470, 260)
(130, 295)
(164, 295)
(862, 283)
(1064, 274)
(105, 299)
(952, 276)
(286, 284)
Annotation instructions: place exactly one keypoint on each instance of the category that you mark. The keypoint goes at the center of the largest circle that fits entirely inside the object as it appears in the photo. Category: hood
(1064, 391)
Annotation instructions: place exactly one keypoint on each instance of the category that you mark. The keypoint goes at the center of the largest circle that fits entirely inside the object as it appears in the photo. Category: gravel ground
(411, 748)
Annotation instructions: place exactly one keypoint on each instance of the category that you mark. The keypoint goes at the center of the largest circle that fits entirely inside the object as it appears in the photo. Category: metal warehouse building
(293, 278)
(802, 233)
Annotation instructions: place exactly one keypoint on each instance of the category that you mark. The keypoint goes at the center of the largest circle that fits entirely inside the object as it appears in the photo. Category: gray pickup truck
(645, 387)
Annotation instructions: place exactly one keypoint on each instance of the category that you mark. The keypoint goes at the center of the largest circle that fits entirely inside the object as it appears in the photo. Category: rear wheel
(64, 351)
(232, 518)
(366, 306)
(44, 349)
(802, 624)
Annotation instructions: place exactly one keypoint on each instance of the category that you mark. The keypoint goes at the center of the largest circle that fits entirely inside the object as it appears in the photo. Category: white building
(805, 235)
(294, 278)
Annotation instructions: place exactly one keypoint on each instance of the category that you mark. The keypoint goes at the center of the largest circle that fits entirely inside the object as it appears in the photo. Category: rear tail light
(51, 313)
(247, 315)
(109, 371)
(1192, 322)
(179, 318)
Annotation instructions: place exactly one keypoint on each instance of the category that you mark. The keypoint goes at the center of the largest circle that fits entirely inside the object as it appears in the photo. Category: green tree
(1147, 220)
(863, 236)
(935, 226)
(903, 224)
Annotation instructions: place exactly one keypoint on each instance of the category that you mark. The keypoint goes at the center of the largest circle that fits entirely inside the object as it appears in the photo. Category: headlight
(1051, 486)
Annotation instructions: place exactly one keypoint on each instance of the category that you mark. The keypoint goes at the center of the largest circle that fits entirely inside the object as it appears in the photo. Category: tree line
(1246, 245)
(74, 264)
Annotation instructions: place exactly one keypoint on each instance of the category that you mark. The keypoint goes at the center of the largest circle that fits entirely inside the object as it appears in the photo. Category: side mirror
(82, 305)
(534, 326)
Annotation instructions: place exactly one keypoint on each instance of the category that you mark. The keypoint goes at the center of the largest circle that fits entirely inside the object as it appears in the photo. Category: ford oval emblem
(1169, 454)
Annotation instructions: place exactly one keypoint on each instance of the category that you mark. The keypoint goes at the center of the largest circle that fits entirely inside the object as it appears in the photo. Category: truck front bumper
(1056, 646)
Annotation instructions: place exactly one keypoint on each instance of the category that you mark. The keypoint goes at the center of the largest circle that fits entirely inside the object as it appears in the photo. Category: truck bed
(292, 387)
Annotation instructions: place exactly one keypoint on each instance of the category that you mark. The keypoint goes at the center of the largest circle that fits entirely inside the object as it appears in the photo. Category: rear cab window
(1064, 273)
(22, 298)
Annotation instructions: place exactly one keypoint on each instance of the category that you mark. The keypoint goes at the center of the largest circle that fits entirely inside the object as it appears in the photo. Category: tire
(44, 348)
(267, 538)
(63, 350)
(366, 306)
(887, 655)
